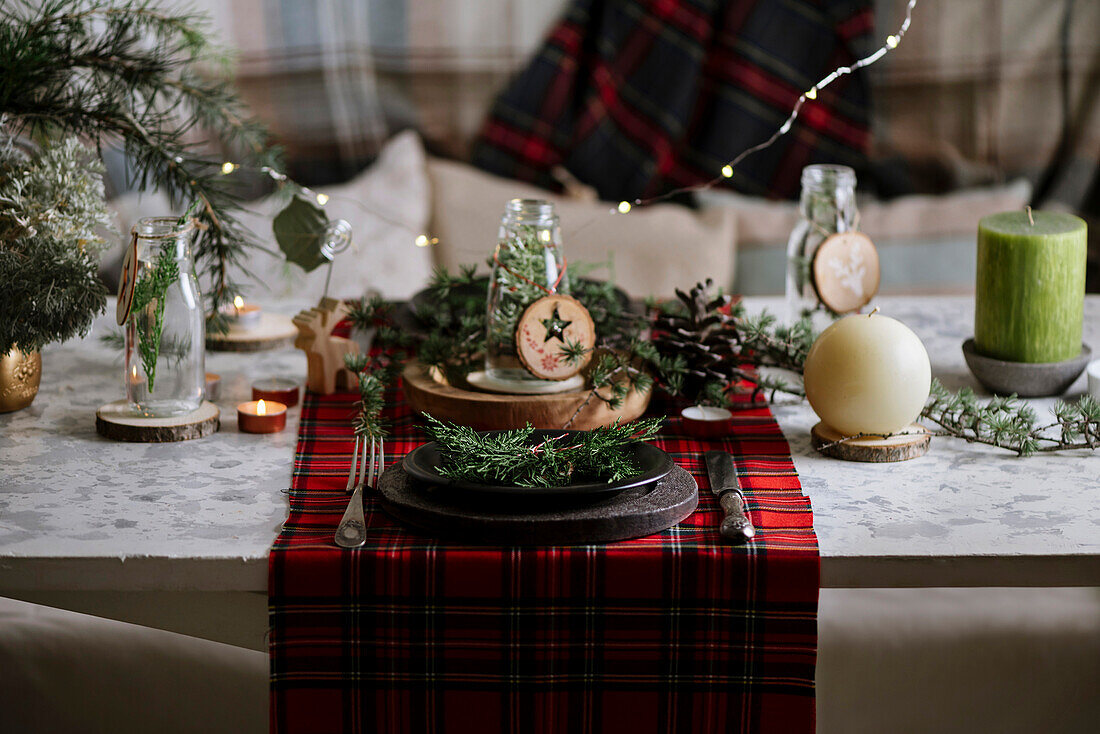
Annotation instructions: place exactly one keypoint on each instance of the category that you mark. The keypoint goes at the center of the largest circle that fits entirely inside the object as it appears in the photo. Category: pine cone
(704, 336)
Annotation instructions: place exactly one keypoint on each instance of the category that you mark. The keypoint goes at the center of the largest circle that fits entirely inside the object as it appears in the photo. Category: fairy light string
(726, 172)
(625, 207)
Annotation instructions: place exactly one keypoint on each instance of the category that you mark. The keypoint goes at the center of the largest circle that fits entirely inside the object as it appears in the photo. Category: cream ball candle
(867, 374)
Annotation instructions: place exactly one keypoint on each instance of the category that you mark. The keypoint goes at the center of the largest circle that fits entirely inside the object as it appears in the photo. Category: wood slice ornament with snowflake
(545, 327)
(846, 271)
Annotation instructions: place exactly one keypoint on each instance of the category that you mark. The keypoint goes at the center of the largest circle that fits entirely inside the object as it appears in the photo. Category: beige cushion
(61, 671)
(387, 206)
(655, 249)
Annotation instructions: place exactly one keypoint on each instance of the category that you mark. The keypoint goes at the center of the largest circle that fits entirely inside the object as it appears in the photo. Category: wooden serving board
(450, 513)
(494, 411)
(274, 331)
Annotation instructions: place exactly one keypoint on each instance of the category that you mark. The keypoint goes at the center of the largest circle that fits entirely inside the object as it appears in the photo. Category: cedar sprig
(378, 371)
(150, 294)
(515, 457)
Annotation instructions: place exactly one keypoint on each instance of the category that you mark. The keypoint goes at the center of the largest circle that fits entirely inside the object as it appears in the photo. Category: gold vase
(20, 373)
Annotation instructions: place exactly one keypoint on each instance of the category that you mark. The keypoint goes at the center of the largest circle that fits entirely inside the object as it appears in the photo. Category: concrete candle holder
(1026, 379)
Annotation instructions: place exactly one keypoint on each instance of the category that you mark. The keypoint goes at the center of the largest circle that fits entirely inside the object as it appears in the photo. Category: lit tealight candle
(261, 416)
(243, 315)
(867, 374)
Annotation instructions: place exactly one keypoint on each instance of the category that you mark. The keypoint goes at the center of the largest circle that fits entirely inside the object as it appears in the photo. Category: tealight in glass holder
(165, 358)
(528, 264)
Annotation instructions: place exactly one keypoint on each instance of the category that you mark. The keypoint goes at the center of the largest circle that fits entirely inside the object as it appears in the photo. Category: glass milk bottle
(827, 206)
(527, 264)
(165, 371)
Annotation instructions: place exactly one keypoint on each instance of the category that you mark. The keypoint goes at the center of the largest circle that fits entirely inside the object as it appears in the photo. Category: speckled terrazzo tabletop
(78, 511)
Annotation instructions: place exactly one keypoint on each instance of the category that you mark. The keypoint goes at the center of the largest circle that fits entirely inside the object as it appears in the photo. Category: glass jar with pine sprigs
(827, 206)
(528, 264)
(165, 371)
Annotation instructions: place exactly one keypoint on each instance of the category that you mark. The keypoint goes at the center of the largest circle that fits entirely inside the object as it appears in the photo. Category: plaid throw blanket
(677, 632)
(636, 98)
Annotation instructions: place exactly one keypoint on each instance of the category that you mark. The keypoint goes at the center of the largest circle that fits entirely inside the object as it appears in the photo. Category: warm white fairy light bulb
(727, 171)
(228, 167)
(624, 207)
(322, 199)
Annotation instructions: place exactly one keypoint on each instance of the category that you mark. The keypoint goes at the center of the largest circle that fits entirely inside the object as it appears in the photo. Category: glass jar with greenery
(827, 206)
(165, 371)
(528, 264)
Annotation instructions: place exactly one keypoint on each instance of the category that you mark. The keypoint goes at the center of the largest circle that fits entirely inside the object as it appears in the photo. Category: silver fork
(352, 531)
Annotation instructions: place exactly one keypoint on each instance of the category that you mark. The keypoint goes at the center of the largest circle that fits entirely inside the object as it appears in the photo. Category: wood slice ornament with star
(545, 327)
(846, 271)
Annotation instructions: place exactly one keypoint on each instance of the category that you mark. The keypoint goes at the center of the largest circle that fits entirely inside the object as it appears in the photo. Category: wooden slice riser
(113, 421)
(489, 411)
(902, 447)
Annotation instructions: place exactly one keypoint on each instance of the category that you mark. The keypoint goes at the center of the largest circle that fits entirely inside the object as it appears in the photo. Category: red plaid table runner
(676, 632)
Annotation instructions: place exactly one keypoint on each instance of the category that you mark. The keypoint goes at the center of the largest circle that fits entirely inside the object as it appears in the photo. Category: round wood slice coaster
(116, 422)
(545, 327)
(426, 392)
(846, 271)
(450, 513)
(274, 331)
(910, 444)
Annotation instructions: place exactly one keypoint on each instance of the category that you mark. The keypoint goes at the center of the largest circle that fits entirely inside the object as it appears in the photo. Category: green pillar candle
(1031, 286)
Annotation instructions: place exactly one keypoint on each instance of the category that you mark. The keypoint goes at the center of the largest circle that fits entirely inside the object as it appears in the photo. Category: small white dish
(706, 421)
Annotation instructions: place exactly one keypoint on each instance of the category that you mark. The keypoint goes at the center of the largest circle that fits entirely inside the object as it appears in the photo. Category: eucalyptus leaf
(300, 231)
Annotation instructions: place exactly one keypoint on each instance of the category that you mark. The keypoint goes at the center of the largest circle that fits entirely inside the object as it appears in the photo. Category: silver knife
(727, 488)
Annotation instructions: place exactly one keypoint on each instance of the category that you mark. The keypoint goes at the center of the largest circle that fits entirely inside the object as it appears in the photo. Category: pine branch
(147, 311)
(1008, 423)
(125, 70)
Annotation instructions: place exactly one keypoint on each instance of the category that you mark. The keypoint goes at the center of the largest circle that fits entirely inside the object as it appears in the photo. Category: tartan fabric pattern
(637, 98)
(676, 632)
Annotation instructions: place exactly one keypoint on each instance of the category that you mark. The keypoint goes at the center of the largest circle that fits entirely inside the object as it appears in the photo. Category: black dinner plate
(653, 464)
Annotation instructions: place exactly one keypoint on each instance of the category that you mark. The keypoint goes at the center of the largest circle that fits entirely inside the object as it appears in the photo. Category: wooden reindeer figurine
(325, 352)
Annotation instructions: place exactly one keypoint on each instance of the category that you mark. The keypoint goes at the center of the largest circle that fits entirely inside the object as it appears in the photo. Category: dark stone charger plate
(505, 520)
